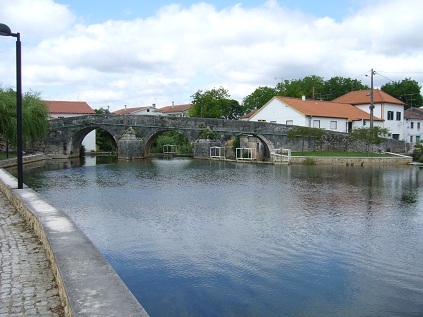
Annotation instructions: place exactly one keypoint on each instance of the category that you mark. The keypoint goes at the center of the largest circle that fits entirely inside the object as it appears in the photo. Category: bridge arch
(72, 146)
(264, 148)
(151, 138)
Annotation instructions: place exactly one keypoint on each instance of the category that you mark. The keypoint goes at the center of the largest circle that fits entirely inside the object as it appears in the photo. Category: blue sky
(135, 53)
(96, 11)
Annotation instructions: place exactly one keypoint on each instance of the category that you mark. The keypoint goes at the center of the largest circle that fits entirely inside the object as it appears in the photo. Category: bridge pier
(130, 146)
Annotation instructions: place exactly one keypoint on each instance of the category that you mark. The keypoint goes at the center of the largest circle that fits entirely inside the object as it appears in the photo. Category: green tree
(374, 135)
(215, 103)
(406, 90)
(34, 117)
(258, 98)
(101, 110)
(103, 139)
(304, 133)
(172, 138)
(338, 86)
(307, 86)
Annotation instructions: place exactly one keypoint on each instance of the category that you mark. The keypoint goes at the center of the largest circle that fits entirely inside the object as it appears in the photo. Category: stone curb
(88, 285)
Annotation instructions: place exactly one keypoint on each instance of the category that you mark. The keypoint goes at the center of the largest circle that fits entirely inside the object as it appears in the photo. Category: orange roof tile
(328, 109)
(70, 107)
(362, 97)
(130, 110)
(174, 108)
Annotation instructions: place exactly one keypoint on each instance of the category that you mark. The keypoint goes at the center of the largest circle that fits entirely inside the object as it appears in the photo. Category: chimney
(303, 98)
(154, 105)
(173, 104)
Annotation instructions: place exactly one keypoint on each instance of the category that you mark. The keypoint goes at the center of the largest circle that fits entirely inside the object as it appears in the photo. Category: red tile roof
(70, 107)
(174, 108)
(131, 110)
(362, 97)
(328, 109)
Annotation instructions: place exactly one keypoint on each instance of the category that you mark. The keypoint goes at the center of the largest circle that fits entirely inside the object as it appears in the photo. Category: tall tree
(338, 86)
(307, 86)
(258, 98)
(406, 90)
(34, 116)
(214, 103)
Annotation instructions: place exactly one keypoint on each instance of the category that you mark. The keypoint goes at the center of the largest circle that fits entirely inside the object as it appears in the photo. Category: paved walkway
(27, 286)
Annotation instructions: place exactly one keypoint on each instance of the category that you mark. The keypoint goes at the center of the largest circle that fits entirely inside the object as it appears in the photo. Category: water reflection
(210, 238)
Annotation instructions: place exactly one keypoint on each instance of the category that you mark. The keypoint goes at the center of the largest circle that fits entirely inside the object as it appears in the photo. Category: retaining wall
(88, 285)
(394, 160)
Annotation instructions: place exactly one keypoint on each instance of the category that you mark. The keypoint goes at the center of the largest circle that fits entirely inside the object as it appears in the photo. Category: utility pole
(371, 98)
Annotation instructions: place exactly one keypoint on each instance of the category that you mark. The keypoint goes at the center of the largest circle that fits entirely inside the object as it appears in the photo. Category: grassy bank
(340, 154)
(3, 155)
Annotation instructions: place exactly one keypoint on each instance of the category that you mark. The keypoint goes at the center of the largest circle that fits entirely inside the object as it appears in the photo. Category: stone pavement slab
(27, 284)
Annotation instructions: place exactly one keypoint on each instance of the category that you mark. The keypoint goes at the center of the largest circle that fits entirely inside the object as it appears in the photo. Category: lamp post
(5, 31)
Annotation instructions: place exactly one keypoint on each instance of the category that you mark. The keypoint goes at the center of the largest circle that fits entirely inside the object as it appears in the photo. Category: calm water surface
(207, 238)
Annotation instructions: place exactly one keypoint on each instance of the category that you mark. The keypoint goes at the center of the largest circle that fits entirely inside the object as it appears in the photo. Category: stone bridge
(135, 134)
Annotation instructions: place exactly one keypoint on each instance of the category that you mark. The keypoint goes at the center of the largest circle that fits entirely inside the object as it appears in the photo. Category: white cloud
(169, 56)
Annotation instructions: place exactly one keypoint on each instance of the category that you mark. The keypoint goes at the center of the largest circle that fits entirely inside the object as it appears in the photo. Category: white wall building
(386, 107)
(413, 129)
(333, 116)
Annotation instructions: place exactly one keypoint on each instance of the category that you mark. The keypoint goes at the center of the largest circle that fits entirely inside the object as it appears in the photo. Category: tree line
(216, 103)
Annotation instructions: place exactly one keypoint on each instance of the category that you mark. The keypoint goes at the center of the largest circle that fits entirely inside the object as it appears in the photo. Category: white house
(148, 110)
(65, 109)
(174, 110)
(386, 107)
(413, 125)
(328, 115)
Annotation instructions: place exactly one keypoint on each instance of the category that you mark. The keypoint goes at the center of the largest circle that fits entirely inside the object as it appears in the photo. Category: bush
(309, 161)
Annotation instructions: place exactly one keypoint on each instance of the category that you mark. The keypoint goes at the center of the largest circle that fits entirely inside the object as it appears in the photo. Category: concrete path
(27, 286)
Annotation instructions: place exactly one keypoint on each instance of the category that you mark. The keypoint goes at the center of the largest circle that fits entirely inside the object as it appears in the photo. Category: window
(390, 115)
(412, 125)
(395, 136)
(411, 139)
(398, 116)
(333, 125)
(418, 125)
(289, 122)
(316, 123)
(261, 120)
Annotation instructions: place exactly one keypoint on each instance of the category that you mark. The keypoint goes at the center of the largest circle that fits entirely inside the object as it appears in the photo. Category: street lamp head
(5, 30)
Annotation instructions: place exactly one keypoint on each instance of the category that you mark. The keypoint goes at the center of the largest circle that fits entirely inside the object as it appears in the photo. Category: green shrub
(309, 161)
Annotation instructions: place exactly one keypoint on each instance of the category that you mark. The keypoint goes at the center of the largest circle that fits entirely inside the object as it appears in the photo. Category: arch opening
(92, 140)
(168, 141)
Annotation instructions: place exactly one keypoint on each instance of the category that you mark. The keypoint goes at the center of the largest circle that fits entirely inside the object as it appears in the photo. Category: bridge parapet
(66, 134)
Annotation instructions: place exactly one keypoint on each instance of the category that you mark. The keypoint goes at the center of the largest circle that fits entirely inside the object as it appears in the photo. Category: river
(212, 238)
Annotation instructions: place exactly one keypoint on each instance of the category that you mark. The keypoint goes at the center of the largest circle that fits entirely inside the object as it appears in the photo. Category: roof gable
(68, 107)
(362, 97)
(174, 108)
(328, 109)
(131, 110)
(413, 113)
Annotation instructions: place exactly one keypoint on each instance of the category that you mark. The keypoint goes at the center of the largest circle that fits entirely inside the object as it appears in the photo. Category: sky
(112, 53)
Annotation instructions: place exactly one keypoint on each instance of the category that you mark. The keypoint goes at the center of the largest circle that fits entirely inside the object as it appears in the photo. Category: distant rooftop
(68, 107)
(174, 108)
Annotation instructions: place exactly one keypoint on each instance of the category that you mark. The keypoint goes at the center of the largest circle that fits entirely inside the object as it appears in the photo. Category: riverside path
(27, 286)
